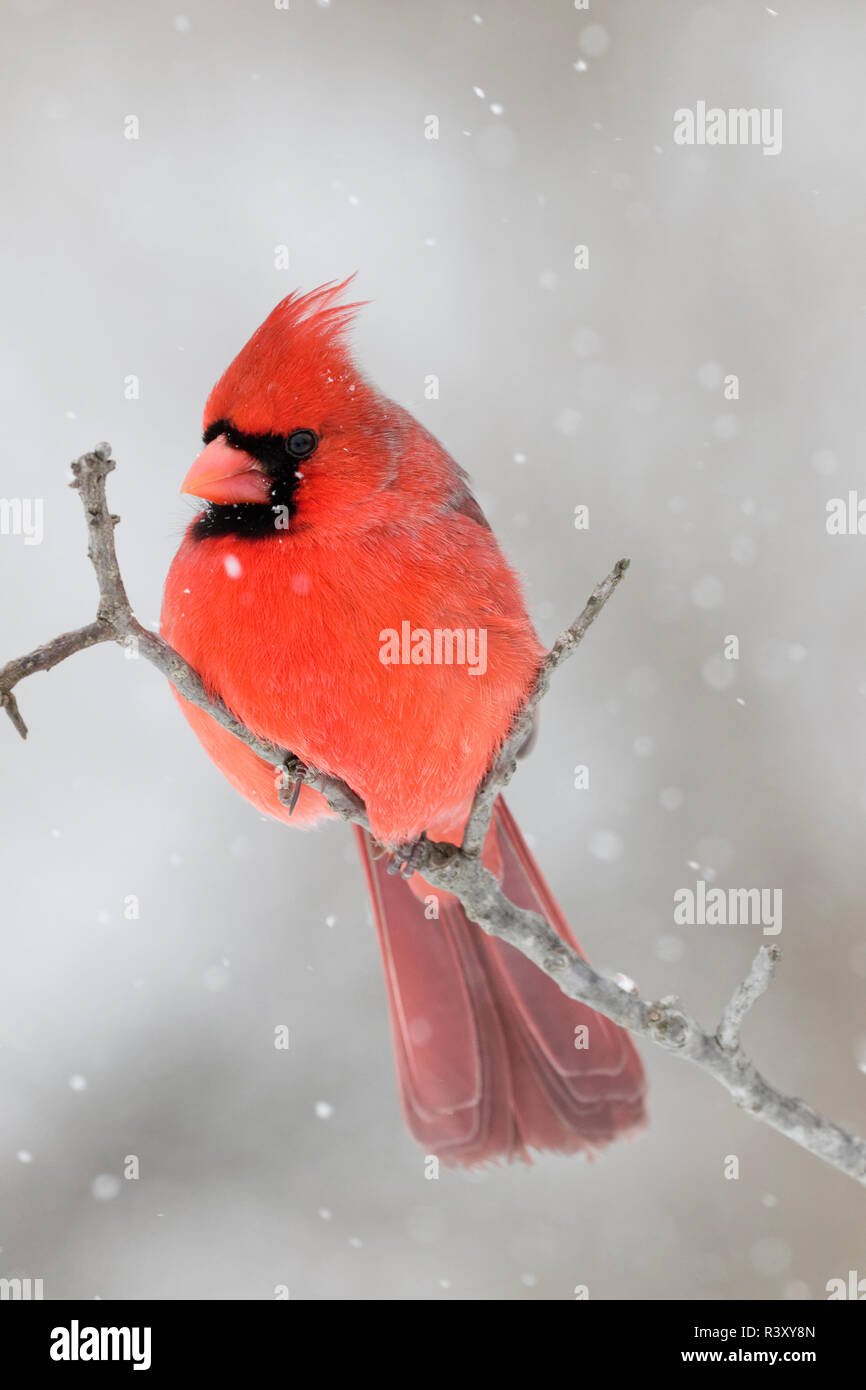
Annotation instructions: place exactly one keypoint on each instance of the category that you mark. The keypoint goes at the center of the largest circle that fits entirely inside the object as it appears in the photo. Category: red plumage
(285, 622)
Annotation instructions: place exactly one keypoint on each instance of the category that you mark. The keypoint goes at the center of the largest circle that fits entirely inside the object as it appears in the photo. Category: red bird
(343, 594)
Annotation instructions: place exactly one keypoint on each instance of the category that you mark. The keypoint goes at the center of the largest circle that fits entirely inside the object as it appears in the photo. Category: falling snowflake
(105, 1187)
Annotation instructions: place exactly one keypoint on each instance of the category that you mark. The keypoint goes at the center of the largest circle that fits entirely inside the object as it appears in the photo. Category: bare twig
(756, 983)
(116, 622)
(502, 770)
(664, 1022)
(459, 870)
(42, 659)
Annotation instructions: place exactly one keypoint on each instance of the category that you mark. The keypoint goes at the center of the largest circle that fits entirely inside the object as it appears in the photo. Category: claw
(406, 858)
(290, 784)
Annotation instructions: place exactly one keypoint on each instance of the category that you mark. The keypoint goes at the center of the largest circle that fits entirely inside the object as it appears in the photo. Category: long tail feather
(492, 1058)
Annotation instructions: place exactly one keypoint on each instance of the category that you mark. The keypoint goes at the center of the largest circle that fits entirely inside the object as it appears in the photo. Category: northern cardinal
(337, 533)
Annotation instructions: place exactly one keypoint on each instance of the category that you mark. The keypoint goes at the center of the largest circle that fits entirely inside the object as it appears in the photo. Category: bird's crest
(297, 352)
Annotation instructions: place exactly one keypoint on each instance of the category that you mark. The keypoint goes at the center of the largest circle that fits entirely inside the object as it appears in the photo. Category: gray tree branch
(455, 869)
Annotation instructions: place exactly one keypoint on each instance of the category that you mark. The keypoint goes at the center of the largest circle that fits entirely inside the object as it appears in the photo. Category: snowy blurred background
(155, 258)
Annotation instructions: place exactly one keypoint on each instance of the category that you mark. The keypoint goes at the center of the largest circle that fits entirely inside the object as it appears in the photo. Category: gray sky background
(155, 258)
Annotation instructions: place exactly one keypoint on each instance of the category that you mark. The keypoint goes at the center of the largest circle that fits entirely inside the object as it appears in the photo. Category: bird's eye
(301, 443)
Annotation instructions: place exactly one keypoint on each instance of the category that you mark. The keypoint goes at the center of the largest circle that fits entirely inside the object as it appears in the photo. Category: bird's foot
(405, 859)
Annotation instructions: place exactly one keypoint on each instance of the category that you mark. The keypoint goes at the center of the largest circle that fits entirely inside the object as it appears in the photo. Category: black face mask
(279, 456)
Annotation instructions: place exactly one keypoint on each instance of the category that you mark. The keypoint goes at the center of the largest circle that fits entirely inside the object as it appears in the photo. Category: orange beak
(223, 474)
